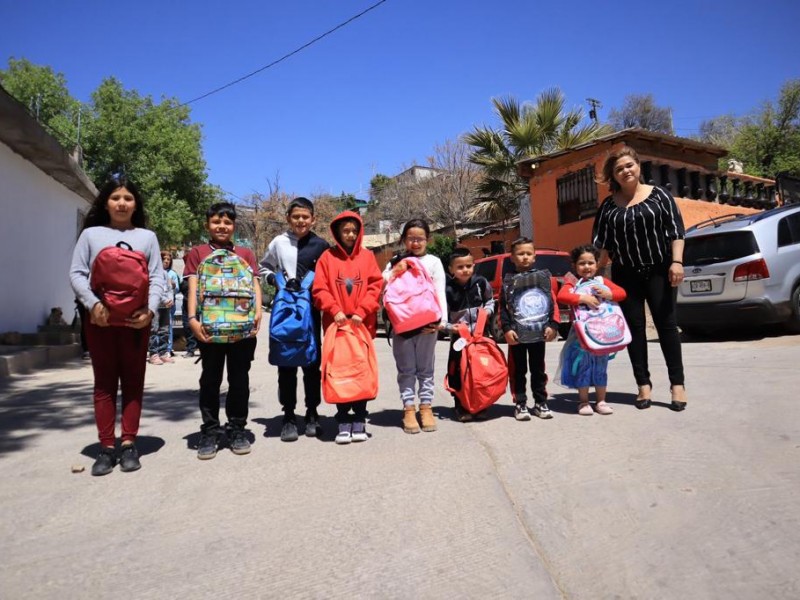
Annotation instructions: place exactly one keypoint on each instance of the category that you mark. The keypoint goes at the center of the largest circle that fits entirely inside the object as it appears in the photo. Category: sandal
(585, 409)
(603, 408)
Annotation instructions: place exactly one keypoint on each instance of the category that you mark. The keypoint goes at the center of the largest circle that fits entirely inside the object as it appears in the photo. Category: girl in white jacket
(414, 350)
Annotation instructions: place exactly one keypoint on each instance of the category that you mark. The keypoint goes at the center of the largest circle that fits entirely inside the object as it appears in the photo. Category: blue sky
(377, 95)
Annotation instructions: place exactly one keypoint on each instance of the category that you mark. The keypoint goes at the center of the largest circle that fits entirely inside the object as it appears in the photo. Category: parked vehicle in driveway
(555, 261)
(742, 270)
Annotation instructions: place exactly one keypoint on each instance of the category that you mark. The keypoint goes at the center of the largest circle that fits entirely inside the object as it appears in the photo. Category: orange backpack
(349, 364)
(484, 371)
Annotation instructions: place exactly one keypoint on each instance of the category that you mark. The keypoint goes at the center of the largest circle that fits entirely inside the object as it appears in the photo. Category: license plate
(702, 285)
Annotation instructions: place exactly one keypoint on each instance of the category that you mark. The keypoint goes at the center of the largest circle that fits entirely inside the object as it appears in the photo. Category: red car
(555, 261)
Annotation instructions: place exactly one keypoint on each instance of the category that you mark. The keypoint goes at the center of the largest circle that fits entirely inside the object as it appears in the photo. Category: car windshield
(557, 265)
(721, 247)
(486, 269)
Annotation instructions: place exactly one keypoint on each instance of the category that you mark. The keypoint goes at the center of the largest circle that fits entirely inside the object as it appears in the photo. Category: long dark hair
(98, 213)
(418, 223)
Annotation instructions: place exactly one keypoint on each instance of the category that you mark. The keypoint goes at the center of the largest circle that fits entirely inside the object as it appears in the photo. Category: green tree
(641, 110)
(153, 143)
(441, 246)
(44, 93)
(769, 142)
(527, 130)
(347, 202)
(158, 147)
(377, 184)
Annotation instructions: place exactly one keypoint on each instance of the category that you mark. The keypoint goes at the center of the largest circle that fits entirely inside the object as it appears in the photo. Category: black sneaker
(541, 410)
(129, 459)
(313, 428)
(289, 432)
(105, 461)
(207, 446)
(238, 442)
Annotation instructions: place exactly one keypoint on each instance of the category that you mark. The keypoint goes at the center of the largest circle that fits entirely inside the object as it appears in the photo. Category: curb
(24, 359)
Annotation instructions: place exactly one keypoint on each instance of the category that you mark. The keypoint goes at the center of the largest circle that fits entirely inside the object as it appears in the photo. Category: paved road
(641, 504)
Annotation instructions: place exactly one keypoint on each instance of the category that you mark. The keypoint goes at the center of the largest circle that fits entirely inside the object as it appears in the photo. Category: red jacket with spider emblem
(348, 282)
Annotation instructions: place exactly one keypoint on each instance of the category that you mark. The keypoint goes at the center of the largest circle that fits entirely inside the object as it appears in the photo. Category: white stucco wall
(38, 230)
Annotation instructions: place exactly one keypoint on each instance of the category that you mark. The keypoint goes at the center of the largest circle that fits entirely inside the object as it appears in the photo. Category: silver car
(742, 271)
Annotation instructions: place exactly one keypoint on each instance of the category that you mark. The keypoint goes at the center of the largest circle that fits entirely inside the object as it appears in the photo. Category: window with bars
(577, 195)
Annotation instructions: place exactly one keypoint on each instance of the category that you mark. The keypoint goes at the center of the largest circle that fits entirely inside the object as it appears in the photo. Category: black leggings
(651, 285)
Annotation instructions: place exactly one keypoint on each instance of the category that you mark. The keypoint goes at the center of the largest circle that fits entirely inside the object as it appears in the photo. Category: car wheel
(793, 324)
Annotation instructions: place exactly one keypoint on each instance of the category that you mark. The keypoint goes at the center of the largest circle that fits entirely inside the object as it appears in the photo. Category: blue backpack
(291, 326)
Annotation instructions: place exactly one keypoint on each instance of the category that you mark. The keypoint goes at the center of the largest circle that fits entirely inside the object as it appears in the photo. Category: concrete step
(16, 360)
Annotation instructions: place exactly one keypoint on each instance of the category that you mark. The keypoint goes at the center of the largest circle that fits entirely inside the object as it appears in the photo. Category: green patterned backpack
(226, 297)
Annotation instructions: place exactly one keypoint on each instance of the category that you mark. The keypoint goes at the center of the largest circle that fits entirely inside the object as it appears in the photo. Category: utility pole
(595, 104)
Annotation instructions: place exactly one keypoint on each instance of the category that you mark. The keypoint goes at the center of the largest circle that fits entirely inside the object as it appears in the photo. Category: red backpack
(484, 371)
(349, 364)
(121, 279)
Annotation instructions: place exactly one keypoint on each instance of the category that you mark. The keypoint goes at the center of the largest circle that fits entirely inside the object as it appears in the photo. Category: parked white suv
(742, 270)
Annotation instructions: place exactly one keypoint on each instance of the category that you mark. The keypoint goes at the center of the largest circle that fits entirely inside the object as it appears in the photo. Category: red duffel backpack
(121, 279)
(484, 371)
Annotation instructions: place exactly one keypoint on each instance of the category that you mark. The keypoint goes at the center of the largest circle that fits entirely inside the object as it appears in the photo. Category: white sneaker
(156, 360)
(360, 432)
(521, 412)
(167, 358)
(344, 436)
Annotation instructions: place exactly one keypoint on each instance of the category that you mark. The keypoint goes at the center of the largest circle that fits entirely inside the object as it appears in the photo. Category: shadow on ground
(740, 334)
(273, 425)
(145, 444)
(28, 410)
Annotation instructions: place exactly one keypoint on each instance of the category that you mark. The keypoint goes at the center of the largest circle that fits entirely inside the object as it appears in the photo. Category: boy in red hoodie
(347, 285)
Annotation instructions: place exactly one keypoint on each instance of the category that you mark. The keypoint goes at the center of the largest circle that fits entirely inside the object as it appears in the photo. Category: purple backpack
(602, 330)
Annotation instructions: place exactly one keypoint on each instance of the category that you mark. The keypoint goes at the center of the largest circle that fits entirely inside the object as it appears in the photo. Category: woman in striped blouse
(640, 228)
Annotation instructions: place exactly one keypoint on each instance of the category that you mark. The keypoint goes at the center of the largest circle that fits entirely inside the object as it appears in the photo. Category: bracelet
(677, 262)
(192, 317)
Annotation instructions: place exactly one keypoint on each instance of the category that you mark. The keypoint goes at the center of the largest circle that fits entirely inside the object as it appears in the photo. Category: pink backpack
(602, 330)
(410, 298)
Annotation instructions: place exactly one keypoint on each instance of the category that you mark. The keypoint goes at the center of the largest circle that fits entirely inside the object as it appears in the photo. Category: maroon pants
(119, 356)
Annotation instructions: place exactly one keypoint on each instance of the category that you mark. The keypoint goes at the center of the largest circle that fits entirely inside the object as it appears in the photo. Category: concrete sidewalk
(641, 504)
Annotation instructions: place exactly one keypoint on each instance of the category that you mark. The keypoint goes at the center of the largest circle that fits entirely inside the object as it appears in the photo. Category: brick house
(564, 195)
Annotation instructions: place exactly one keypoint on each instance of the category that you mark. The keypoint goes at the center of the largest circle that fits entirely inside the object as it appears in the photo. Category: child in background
(347, 286)
(414, 350)
(529, 317)
(174, 285)
(221, 224)
(118, 353)
(465, 293)
(295, 252)
(161, 326)
(580, 369)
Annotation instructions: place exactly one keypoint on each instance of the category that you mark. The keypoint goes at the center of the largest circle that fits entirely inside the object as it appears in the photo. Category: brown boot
(426, 417)
(410, 424)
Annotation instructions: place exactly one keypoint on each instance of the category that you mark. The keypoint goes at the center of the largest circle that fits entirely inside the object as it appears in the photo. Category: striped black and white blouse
(642, 234)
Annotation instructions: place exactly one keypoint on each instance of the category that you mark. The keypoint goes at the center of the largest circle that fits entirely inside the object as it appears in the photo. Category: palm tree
(528, 130)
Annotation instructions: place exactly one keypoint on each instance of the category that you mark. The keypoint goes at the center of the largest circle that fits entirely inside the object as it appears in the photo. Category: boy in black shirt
(466, 293)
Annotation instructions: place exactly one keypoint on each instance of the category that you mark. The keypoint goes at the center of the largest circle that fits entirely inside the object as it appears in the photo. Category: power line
(285, 56)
